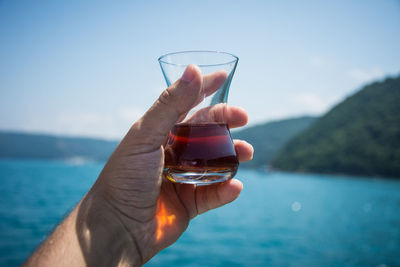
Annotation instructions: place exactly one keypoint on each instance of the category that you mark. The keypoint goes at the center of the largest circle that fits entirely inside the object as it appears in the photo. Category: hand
(132, 212)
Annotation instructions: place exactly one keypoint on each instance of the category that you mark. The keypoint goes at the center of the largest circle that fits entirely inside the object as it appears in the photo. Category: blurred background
(320, 82)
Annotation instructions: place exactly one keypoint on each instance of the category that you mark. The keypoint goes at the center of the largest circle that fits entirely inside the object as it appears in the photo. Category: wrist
(103, 235)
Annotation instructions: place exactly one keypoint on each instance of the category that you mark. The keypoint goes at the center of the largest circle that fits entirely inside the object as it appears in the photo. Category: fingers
(212, 82)
(244, 150)
(217, 195)
(149, 132)
(233, 116)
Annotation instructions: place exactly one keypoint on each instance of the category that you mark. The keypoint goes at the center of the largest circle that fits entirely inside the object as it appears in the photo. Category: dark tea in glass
(200, 148)
(200, 153)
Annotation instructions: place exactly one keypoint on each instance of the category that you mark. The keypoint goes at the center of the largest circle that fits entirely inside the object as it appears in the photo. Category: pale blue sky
(90, 67)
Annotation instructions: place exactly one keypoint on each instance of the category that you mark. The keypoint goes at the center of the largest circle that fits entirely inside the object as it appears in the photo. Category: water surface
(279, 219)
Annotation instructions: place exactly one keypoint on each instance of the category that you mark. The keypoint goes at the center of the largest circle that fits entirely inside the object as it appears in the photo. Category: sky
(89, 68)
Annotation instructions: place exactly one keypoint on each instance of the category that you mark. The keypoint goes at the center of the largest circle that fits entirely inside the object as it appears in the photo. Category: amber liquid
(200, 154)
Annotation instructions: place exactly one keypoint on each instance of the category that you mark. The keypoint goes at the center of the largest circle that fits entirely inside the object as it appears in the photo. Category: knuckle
(166, 97)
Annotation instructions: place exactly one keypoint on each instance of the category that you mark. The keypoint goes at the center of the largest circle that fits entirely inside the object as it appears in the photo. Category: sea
(280, 219)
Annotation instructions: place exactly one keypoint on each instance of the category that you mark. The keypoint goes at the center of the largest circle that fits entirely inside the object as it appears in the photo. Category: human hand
(132, 211)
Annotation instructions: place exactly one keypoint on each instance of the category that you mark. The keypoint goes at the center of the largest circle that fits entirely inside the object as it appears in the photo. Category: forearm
(91, 235)
(62, 247)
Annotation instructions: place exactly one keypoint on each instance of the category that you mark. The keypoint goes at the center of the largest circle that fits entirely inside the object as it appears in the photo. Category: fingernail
(188, 75)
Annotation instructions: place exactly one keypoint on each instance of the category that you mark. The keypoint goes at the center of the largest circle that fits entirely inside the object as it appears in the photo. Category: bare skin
(132, 212)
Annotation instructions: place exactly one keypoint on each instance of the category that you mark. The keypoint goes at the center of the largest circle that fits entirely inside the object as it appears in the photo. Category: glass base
(201, 176)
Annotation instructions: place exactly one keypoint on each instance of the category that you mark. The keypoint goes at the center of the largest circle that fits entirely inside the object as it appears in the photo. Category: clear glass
(200, 149)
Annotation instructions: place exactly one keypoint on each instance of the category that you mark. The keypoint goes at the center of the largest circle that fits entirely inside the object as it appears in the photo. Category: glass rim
(235, 58)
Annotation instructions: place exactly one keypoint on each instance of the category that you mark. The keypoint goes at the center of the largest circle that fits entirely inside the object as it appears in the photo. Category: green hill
(38, 146)
(359, 136)
(268, 138)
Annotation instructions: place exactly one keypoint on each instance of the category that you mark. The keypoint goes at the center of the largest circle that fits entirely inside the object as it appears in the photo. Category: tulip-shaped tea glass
(199, 149)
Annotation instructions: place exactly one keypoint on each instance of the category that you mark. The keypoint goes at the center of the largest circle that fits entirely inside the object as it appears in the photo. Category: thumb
(149, 133)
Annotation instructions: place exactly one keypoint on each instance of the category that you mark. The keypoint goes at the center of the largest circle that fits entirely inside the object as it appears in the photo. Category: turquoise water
(279, 219)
